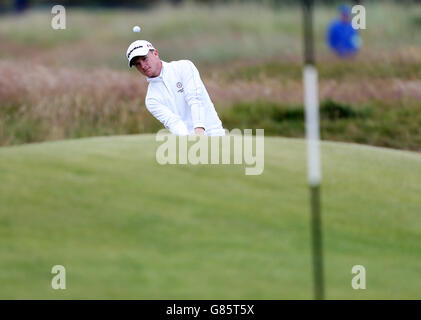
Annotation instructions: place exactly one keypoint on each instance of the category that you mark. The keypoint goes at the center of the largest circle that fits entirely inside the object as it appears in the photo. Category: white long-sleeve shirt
(179, 100)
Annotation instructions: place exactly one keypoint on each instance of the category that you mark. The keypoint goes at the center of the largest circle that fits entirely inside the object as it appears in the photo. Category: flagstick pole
(313, 146)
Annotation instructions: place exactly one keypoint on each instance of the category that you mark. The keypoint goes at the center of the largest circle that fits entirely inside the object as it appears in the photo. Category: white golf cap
(138, 48)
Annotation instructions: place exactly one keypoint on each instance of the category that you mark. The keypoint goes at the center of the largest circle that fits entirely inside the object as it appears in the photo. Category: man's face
(149, 65)
(345, 17)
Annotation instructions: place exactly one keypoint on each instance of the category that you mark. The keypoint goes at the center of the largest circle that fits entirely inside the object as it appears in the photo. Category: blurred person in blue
(341, 37)
(21, 5)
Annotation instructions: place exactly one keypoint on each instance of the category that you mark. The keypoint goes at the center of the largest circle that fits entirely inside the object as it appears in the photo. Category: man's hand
(199, 131)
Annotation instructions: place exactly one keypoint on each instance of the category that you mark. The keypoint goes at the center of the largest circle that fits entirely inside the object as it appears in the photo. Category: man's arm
(169, 119)
(199, 131)
(193, 95)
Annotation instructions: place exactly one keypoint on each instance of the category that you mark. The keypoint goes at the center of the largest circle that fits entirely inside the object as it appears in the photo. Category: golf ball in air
(136, 29)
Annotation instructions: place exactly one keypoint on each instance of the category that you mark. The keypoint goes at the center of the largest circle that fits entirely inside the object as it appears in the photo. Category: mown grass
(126, 227)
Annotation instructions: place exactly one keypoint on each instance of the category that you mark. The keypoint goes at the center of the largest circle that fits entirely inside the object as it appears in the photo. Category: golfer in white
(176, 95)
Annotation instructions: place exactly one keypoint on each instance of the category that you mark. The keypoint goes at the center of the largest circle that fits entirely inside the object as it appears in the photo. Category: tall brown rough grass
(39, 103)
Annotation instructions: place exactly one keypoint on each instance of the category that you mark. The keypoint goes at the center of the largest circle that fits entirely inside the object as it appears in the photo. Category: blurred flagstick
(311, 101)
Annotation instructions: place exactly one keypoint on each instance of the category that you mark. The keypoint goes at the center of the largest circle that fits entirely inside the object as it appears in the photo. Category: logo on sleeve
(180, 86)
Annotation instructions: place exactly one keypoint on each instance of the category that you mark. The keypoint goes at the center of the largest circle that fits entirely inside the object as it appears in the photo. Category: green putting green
(124, 226)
